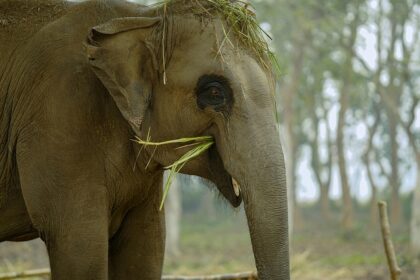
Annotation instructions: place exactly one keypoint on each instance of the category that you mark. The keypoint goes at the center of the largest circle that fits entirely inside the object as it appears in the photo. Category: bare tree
(368, 156)
(289, 94)
(348, 41)
(322, 167)
(400, 82)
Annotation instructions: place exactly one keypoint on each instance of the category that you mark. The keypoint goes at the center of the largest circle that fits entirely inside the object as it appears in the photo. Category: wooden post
(394, 270)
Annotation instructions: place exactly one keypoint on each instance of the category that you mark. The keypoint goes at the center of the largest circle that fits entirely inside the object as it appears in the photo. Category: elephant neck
(148, 176)
(144, 162)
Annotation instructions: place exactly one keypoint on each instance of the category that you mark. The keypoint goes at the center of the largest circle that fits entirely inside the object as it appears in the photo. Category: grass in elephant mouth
(199, 146)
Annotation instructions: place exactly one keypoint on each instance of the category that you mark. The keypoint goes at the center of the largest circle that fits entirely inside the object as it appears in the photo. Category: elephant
(80, 80)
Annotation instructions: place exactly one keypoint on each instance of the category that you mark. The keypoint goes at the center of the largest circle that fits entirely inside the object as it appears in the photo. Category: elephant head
(181, 70)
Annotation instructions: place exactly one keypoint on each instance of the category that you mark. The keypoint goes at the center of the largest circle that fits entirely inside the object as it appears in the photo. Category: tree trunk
(173, 212)
(325, 203)
(373, 198)
(318, 167)
(347, 211)
(345, 90)
(289, 98)
(207, 203)
(415, 215)
(394, 179)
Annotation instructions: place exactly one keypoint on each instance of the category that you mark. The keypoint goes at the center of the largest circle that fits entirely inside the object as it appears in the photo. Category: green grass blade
(176, 141)
(200, 144)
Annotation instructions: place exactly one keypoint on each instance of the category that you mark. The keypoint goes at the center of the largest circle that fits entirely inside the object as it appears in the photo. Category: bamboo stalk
(46, 272)
(394, 270)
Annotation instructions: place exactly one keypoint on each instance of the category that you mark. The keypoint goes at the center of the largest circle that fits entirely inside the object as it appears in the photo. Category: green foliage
(353, 260)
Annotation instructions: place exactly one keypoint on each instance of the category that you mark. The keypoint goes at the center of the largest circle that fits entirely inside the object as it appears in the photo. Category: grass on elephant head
(198, 146)
(241, 22)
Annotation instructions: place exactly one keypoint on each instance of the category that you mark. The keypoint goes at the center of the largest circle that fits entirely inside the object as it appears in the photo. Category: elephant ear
(125, 63)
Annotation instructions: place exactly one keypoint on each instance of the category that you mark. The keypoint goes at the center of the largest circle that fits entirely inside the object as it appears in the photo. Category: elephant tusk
(236, 187)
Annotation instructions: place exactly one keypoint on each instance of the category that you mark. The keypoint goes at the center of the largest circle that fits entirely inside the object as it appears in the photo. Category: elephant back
(20, 19)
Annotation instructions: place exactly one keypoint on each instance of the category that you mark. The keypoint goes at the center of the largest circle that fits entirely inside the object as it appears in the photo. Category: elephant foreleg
(137, 250)
(74, 226)
(76, 235)
(15, 224)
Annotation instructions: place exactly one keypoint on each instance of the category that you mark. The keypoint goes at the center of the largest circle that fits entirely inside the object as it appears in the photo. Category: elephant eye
(213, 91)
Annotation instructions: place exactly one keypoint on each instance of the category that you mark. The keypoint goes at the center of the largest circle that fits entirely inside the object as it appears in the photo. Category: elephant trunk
(266, 210)
(258, 166)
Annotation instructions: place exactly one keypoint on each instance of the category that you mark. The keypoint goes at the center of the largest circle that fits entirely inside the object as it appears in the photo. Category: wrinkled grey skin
(77, 81)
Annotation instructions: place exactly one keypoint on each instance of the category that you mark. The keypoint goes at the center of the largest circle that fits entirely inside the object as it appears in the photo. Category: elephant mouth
(225, 183)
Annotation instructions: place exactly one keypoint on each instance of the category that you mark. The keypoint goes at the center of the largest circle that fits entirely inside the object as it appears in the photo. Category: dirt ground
(320, 251)
(209, 246)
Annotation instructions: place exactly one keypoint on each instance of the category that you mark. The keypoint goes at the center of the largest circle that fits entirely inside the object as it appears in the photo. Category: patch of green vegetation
(214, 246)
(353, 260)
